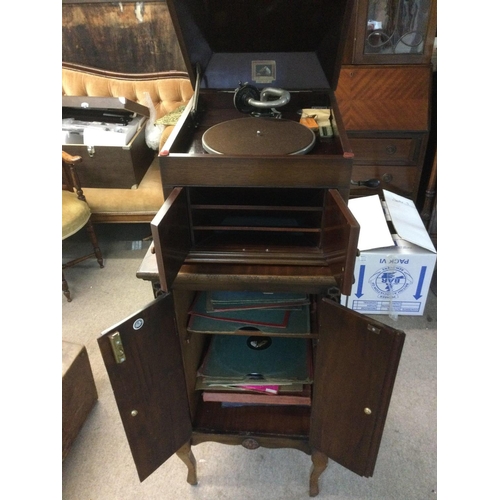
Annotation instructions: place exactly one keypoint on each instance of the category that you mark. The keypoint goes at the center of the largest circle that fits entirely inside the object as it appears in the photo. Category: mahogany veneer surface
(384, 98)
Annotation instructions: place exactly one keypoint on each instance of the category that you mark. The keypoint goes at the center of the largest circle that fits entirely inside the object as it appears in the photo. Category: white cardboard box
(393, 271)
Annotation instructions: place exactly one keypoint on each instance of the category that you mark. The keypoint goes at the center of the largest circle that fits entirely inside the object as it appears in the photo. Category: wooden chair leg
(95, 244)
(65, 288)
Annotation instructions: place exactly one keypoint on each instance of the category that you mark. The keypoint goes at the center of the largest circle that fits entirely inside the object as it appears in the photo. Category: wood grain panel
(385, 98)
(387, 115)
(395, 83)
(123, 37)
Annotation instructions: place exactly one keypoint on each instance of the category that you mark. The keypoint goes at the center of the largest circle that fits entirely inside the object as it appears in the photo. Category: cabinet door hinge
(117, 347)
(373, 329)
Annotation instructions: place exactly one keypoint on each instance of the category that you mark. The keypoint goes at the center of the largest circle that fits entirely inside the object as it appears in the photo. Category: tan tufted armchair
(167, 90)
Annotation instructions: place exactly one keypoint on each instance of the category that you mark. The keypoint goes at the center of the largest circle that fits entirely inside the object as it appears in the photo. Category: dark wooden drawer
(401, 149)
(398, 179)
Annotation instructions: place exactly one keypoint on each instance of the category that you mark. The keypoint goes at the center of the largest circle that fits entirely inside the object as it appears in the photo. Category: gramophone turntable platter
(258, 136)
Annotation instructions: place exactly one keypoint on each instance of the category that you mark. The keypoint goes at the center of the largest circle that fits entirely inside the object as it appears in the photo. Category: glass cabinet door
(394, 31)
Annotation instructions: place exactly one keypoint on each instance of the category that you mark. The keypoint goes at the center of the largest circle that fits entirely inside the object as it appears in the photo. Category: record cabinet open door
(356, 366)
(171, 236)
(144, 364)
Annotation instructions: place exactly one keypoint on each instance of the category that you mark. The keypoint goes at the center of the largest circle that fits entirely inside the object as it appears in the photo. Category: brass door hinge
(117, 347)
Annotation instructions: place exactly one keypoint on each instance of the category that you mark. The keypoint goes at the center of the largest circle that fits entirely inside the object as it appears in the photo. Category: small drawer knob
(390, 150)
(367, 411)
(387, 177)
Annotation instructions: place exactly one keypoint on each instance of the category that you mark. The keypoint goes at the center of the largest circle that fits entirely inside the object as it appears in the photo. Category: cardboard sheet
(407, 221)
(369, 213)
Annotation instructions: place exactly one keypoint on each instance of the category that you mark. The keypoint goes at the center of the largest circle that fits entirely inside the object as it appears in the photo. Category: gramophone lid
(291, 44)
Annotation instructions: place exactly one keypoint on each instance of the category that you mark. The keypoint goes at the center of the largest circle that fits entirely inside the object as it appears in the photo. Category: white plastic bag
(153, 131)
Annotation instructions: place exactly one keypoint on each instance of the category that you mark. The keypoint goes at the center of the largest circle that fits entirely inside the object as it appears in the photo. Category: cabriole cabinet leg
(186, 455)
(319, 464)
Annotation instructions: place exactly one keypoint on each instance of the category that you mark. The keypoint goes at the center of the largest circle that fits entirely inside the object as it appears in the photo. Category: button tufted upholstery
(167, 90)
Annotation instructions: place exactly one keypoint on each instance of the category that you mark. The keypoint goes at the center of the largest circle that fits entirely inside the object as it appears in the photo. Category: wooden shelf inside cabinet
(206, 276)
(217, 276)
(324, 235)
(311, 279)
(229, 227)
(271, 421)
(245, 332)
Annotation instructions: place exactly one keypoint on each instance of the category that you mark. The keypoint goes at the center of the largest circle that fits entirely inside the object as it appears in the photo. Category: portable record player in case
(255, 202)
(109, 134)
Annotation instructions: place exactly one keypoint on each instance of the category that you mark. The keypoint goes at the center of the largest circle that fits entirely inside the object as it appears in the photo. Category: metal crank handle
(370, 183)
